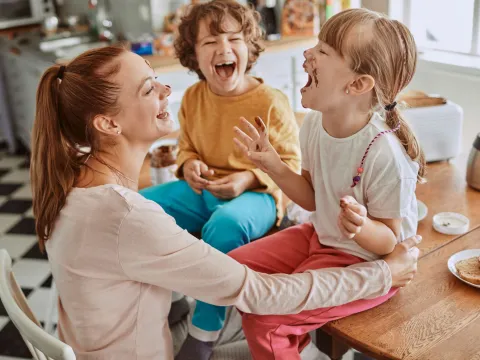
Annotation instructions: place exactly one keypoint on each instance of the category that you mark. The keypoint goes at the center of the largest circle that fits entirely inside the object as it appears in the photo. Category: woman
(116, 256)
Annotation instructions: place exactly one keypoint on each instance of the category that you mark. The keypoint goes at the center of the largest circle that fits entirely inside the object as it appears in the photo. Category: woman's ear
(362, 84)
(106, 125)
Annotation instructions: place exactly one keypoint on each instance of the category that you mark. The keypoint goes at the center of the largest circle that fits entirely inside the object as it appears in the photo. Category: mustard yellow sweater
(207, 121)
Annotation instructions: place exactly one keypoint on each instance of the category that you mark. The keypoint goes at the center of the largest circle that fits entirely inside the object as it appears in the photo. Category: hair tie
(391, 106)
(61, 71)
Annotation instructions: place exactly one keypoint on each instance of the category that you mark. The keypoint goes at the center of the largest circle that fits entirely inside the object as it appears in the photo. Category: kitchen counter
(162, 64)
(169, 63)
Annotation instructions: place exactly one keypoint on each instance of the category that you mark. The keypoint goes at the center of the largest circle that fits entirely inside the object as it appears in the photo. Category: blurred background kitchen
(36, 33)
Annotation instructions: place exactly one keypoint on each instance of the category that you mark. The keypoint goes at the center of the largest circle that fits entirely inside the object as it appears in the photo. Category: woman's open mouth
(225, 69)
(163, 115)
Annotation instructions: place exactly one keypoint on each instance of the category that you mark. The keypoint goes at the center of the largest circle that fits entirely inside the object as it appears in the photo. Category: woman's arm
(153, 249)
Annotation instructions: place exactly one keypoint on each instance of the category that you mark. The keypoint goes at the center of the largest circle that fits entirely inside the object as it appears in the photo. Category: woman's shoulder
(110, 197)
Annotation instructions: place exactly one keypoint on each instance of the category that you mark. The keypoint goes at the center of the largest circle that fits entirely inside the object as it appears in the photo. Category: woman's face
(143, 117)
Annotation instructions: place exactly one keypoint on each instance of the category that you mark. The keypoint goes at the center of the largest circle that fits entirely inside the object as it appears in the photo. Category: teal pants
(225, 225)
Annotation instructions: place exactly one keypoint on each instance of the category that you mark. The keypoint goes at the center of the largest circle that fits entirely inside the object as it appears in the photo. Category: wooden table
(437, 316)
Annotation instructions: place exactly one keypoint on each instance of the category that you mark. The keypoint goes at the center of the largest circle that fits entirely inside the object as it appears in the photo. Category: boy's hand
(256, 147)
(233, 185)
(195, 172)
(352, 217)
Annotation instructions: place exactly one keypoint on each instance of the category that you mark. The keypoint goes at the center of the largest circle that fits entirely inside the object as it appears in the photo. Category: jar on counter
(163, 164)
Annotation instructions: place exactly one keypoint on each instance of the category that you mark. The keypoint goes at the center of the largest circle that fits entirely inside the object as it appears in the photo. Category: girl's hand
(195, 172)
(255, 145)
(352, 217)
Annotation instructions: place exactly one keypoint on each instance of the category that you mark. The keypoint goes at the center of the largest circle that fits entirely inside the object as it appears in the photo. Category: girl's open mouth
(225, 69)
(309, 81)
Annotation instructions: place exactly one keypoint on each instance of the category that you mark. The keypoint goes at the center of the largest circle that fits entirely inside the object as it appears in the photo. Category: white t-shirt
(386, 188)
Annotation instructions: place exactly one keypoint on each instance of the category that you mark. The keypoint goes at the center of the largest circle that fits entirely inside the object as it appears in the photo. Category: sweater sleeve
(152, 249)
(283, 135)
(186, 149)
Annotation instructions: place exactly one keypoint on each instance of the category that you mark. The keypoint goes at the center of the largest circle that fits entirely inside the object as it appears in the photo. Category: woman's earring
(347, 91)
(118, 132)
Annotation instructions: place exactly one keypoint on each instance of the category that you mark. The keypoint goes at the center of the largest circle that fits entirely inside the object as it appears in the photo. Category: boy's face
(328, 76)
(222, 58)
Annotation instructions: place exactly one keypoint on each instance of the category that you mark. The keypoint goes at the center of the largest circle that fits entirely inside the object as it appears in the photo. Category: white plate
(422, 210)
(162, 142)
(462, 255)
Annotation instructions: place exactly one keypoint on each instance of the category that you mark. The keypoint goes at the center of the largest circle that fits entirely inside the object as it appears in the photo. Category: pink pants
(294, 250)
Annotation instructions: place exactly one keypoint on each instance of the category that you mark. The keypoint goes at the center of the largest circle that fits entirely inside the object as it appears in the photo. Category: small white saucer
(450, 223)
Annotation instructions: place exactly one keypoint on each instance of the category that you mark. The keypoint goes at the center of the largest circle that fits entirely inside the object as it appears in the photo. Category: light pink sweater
(116, 257)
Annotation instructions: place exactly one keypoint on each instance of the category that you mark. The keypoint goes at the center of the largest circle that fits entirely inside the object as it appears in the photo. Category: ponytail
(408, 139)
(52, 170)
(68, 98)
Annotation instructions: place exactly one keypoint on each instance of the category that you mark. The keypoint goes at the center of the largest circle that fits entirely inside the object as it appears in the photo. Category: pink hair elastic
(358, 177)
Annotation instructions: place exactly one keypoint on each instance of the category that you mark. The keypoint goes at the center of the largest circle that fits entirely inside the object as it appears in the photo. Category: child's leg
(282, 337)
(233, 224)
(179, 201)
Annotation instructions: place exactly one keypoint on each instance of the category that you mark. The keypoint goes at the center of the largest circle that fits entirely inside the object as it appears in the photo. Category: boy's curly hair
(216, 11)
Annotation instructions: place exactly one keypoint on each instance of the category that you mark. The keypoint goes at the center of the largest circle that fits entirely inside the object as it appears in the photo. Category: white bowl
(422, 210)
(451, 223)
(462, 255)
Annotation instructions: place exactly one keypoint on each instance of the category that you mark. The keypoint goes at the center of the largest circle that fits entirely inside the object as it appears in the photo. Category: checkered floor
(17, 236)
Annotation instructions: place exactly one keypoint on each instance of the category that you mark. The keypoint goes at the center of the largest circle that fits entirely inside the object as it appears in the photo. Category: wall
(458, 85)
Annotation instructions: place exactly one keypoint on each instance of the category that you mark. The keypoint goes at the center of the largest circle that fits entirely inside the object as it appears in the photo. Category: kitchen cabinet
(22, 74)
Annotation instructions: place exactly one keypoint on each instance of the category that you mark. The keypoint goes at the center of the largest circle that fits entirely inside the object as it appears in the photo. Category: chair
(42, 345)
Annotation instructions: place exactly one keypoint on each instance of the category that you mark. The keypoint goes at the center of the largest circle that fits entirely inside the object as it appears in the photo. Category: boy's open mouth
(225, 69)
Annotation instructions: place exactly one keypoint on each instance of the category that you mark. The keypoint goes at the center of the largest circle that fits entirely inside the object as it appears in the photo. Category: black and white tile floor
(30, 266)
(17, 236)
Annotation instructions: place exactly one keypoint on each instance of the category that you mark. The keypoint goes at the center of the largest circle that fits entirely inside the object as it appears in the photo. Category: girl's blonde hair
(385, 50)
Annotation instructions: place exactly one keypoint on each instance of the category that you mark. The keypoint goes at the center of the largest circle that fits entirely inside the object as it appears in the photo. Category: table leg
(331, 346)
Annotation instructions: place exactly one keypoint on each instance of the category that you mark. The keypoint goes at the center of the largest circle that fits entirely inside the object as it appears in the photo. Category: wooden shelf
(170, 63)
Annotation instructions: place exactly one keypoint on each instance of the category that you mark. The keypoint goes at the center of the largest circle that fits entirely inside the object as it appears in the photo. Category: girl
(114, 270)
(357, 152)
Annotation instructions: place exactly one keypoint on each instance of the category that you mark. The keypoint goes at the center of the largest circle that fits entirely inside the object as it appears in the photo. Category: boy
(221, 193)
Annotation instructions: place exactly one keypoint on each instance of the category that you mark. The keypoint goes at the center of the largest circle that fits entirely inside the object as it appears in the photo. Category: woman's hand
(233, 185)
(402, 261)
(195, 172)
(256, 146)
